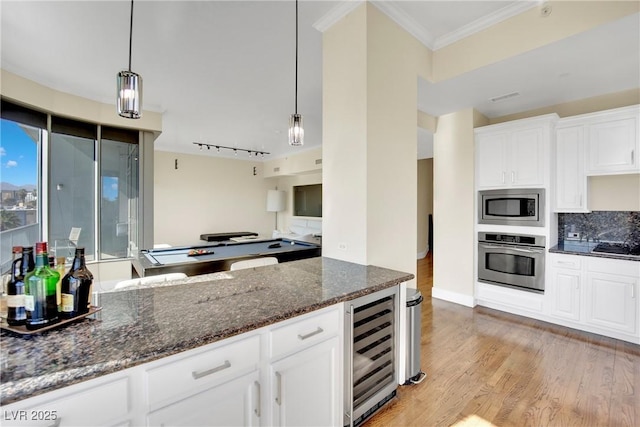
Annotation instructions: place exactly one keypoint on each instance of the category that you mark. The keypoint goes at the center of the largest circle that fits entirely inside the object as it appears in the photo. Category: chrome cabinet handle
(513, 177)
(198, 375)
(278, 388)
(310, 334)
(257, 408)
(503, 174)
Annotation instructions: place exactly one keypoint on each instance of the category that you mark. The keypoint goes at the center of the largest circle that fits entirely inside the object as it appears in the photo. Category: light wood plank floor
(488, 368)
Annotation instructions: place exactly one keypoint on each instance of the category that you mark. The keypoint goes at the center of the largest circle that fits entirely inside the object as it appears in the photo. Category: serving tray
(22, 330)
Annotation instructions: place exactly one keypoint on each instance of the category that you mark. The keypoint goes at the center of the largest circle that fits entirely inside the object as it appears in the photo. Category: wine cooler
(371, 325)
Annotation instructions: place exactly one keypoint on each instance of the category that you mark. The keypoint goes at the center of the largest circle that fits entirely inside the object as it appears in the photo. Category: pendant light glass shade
(129, 90)
(296, 130)
(129, 94)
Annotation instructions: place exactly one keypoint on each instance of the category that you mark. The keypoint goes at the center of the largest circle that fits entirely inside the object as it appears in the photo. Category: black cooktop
(617, 248)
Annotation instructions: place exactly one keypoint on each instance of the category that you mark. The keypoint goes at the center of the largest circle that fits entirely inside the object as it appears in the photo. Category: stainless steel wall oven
(512, 207)
(512, 260)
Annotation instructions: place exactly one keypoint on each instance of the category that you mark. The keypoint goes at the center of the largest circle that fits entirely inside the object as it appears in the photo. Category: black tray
(22, 330)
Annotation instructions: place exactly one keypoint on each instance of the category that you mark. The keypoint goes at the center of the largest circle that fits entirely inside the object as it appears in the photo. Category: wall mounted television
(307, 200)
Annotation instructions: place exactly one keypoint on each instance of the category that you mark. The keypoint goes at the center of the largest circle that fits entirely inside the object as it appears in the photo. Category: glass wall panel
(19, 160)
(72, 194)
(119, 201)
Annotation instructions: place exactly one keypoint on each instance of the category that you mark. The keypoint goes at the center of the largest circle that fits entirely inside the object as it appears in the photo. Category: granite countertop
(147, 323)
(571, 247)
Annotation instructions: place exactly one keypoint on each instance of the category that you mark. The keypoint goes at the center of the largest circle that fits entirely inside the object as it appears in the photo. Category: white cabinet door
(565, 293)
(305, 387)
(611, 302)
(613, 146)
(571, 182)
(491, 159)
(526, 159)
(236, 403)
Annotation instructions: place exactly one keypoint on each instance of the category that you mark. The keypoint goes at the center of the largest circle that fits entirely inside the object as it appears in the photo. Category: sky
(18, 155)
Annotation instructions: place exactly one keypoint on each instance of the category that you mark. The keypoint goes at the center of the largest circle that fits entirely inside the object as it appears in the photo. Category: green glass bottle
(40, 291)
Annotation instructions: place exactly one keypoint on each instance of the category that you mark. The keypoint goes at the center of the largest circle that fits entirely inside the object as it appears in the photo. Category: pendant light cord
(130, 34)
(296, 56)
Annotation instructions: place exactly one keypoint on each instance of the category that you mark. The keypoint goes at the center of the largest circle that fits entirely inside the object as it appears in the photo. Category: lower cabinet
(235, 403)
(595, 294)
(305, 387)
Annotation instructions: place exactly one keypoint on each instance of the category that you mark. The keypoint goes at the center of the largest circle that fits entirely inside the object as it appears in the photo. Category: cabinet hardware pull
(56, 423)
(503, 177)
(278, 388)
(257, 409)
(633, 291)
(198, 375)
(513, 177)
(310, 334)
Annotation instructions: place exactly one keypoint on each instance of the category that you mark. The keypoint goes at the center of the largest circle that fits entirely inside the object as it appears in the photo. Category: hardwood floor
(485, 368)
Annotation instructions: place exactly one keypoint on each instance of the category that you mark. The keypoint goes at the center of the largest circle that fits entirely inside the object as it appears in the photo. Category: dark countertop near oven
(571, 247)
(147, 323)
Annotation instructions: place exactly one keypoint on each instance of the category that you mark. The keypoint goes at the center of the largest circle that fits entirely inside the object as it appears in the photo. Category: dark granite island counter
(146, 324)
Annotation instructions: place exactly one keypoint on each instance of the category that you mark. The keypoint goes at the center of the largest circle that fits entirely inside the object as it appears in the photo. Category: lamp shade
(129, 94)
(276, 200)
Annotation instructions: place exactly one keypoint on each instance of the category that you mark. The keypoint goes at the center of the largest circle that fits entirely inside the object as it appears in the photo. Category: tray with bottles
(22, 329)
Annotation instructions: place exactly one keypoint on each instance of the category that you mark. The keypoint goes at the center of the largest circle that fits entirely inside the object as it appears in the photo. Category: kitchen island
(148, 324)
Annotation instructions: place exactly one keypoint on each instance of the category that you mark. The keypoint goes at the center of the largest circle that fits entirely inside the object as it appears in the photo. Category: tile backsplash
(608, 226)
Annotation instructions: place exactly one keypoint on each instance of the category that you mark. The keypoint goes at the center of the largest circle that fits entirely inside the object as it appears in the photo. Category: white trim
(423, 254)
(484, 22)
(409, 24)
(335, 14)
(455, 297)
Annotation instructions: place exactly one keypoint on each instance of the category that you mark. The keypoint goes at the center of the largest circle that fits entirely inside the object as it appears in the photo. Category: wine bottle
(60, 269)
(76, 287)
(16, 315)
(40, 291)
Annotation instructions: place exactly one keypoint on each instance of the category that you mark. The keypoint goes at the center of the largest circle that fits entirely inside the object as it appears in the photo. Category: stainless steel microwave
(512, 207)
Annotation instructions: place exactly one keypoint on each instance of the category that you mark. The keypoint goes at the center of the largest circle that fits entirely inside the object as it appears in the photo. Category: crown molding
(417, 30)
(335, 14)
(485, 22)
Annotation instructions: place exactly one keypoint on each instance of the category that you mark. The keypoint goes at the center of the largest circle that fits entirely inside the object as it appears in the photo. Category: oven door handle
(512, 248)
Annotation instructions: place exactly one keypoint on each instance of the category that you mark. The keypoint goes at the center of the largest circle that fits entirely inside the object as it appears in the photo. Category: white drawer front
(93, 406)
(302, 332)
(190, 374)
(573, 262)
(614, 266)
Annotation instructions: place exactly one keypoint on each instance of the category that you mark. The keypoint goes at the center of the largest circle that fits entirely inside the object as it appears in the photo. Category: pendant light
(296, 129)
(129, 86)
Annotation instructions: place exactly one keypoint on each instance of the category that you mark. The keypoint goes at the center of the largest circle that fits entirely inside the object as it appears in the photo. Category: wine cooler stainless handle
(198, 375)
(349, 390)
(310, 334)
(257, 408)
(278, 388)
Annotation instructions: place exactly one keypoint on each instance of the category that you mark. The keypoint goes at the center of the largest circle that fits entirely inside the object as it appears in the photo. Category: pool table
(218, 256)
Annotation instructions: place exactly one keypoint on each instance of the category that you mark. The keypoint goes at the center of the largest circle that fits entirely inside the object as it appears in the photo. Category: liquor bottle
(60, 269)
(76, 287)
(16, 314)
(40, 291)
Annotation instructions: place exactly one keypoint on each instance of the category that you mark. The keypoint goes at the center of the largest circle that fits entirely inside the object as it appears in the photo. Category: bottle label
(15, 301)
(29, 303)
(67, 303)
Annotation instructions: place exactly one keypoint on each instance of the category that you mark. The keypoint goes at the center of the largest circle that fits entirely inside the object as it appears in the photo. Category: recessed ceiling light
(503, 97)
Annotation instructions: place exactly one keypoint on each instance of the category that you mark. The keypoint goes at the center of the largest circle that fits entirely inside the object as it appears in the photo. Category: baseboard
(455, 297)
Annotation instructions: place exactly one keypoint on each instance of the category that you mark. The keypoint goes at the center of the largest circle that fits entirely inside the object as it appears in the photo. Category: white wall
(208, 195)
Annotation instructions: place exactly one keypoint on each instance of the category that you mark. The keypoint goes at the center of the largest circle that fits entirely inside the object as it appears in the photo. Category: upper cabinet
(514, 154)
(613, 141)
(309, 161)
(601, 143)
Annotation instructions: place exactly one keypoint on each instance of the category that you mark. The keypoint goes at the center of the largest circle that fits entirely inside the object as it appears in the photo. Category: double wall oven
(506, 258)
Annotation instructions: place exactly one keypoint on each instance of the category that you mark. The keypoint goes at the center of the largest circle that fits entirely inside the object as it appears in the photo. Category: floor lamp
(276, 202)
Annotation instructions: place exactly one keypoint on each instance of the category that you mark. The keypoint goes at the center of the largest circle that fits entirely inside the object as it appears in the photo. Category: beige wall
(208, 195)
(425, 204)
(370, 140)
(614, 193)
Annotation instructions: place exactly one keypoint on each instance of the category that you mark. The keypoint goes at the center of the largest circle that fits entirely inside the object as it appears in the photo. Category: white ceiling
(222, 72)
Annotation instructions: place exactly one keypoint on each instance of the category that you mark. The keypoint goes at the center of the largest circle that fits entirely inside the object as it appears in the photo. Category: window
(88, 176)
